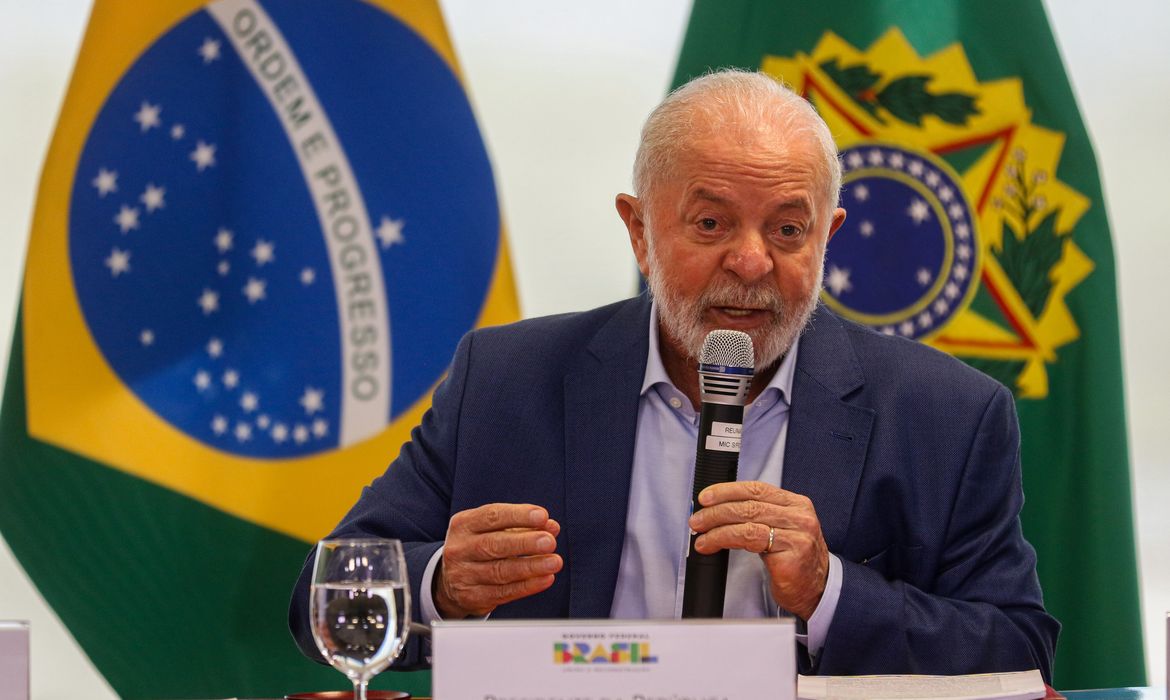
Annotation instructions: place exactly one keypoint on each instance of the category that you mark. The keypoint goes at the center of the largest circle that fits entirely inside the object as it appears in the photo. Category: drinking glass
(360, 606)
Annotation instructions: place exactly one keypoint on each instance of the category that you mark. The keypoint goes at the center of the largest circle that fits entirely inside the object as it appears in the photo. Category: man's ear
(629, 208)
(838, 219)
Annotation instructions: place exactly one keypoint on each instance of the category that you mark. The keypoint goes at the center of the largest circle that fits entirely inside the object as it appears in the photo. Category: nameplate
(615, 659)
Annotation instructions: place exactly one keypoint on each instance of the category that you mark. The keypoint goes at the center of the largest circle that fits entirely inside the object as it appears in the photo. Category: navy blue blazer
(910, 458)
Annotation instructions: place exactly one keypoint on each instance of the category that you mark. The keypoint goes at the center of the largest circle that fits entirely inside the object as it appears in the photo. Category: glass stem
(359, 689)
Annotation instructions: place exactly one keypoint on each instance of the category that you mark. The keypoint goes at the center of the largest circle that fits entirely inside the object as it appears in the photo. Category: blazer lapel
(827, 437)
(601, 415)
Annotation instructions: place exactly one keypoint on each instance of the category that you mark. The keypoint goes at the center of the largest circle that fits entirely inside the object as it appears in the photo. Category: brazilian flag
(976, 225)
(262, 228)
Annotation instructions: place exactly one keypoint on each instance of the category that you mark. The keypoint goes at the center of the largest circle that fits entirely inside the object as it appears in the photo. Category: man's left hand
(750, 515)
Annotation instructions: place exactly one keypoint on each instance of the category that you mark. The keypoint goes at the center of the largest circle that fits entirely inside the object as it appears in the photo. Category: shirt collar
(781, 383)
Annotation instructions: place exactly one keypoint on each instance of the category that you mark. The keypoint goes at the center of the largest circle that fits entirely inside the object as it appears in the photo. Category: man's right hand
(493, 555)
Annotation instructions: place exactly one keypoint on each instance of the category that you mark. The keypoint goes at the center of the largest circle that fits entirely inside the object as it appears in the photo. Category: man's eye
(708, 224)
(789, 231)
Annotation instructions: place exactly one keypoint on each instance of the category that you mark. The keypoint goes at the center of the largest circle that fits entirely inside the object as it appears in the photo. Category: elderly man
(879, 484)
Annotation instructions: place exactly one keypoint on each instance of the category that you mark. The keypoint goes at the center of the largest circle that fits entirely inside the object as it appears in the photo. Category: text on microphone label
(723, 444)
(719, 429)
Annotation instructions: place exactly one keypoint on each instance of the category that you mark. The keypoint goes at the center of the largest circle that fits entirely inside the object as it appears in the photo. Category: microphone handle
(716, 461)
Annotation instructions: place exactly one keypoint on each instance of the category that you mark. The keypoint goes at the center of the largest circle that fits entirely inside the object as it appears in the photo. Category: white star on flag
(963, 231)
(932, 179)
(854, 160)
(956, 211)
(960, 272)
(925, 320)
(127, 218)
(223, 240)
(390, 231)
(861, 193)
(951, 290)
(923, 276)
(279, 433)
(208, 301)
(231, 379)
(876, 158)
(146, 337)
(263, 421)
(249, 401)
(313, 400)
(223, 268)
(178, 131)
(946, 194)
(964, 252)
(320, 428)
(214, 348)
(219, 425)
(915, 168)
(118, 262)
(906, 328)
(209, 50)
(254, 290)
(941, 306)
(243, 432)
(263, 252)
(106, 182)
(300, 434)
(866, 228)
(147, 116)
(897, 160)
(838, 280)
(308, 276)
(153, 197)
(918, 211)
(202, 380)
(203, 155)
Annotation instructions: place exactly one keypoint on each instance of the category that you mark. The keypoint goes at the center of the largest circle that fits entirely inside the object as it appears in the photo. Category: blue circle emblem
(907, 258)
(282, 222)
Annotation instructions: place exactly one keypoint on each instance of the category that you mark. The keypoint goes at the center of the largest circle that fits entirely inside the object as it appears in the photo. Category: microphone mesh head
(728, 348)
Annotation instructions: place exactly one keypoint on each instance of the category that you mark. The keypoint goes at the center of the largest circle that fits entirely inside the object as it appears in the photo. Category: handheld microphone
(726, 365)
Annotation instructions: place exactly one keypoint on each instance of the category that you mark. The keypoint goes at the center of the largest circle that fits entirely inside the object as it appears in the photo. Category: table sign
(14, 660)
(615, 659)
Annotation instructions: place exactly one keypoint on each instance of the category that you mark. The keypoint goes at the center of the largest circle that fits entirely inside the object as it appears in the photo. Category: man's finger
(499, 516)
(728, 491)
(780, 517)
(519, 589)
(751, 537)
(505, 571)
(503, 545)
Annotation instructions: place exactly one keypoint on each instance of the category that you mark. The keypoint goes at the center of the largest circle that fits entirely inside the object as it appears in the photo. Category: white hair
(730, 98)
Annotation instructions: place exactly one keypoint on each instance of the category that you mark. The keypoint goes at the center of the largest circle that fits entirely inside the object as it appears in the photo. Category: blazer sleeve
(410, 502)
(982, 609)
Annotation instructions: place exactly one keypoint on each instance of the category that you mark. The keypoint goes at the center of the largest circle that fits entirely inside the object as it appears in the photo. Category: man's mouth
(739, 312)
(734, 311)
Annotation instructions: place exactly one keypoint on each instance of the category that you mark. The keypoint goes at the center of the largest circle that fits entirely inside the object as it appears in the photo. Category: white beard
(682, 318)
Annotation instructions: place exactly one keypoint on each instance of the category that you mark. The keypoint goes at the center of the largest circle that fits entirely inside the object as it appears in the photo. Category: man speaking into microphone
(878, 487)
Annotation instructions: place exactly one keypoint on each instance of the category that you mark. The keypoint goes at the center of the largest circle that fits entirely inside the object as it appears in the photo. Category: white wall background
(561, 87)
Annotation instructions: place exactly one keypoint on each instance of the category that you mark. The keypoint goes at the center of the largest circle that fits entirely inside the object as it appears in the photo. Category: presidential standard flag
(262, 228)
(976, 225)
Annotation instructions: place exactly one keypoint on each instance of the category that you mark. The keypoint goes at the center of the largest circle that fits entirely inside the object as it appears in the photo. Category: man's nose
(748, 257)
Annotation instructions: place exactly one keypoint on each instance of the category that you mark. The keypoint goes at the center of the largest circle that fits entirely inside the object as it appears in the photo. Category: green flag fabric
(976, 224)
(261, 230)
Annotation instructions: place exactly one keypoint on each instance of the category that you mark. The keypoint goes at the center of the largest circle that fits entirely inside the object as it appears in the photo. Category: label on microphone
(726, 429)
(723, 444)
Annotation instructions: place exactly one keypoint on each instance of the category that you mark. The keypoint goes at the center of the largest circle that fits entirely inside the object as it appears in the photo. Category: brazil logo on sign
(278, 220)
(959, 233)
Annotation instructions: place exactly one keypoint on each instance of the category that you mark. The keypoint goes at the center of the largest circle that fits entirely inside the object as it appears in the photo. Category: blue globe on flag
(275, 263)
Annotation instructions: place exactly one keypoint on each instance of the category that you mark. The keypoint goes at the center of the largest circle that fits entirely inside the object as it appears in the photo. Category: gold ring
(771, 538)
